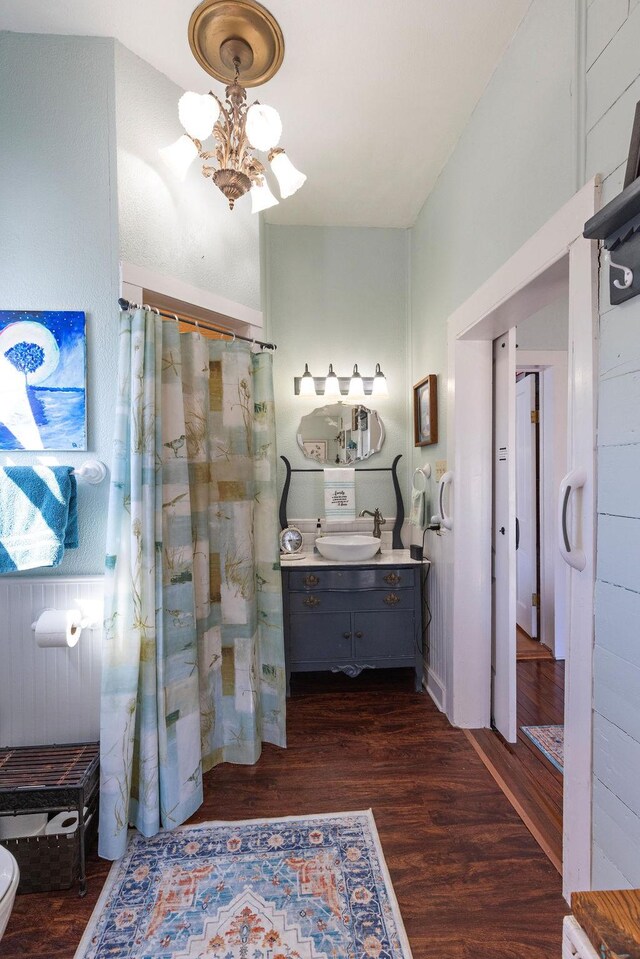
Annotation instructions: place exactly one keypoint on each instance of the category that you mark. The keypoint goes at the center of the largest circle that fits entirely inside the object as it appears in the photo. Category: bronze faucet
(378, 520)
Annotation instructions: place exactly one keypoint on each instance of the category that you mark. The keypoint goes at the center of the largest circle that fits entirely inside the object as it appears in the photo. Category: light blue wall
(185, 230)
(59, 226)
(512, 168)
(613, 89)
(82, 187)
(338, 295)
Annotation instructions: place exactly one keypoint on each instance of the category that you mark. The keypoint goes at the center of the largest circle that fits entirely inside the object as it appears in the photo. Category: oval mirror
(340, 434)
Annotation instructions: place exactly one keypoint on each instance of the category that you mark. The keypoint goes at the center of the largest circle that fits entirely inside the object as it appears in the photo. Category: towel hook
(627, 274)
(91, 471)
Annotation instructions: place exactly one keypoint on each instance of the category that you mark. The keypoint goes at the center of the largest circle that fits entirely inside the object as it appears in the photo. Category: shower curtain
(193, 651)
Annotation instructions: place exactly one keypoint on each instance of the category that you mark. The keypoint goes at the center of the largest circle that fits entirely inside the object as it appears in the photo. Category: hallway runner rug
(301, 887)
(550, 741)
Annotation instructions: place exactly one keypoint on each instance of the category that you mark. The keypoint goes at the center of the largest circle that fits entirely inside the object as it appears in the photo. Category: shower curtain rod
(127, 305)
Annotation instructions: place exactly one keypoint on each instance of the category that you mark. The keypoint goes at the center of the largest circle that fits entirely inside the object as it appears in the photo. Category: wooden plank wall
(48, 695)
(612, 91)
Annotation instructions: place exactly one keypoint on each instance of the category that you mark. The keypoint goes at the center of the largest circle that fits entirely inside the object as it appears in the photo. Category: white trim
(169, 286)
(530, 278)
(436, 689)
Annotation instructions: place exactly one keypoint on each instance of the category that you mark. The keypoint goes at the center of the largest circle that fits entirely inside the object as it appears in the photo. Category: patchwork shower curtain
(193, 651)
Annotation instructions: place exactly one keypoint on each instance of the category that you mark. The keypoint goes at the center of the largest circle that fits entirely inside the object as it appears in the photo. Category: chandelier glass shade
(234, 39)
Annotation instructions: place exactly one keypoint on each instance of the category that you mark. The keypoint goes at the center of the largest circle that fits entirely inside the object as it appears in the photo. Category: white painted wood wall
(612, 91)
(47, 695)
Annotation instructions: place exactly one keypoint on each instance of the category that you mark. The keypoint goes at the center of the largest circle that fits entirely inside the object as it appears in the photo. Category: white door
(526, 493)
(503, 664)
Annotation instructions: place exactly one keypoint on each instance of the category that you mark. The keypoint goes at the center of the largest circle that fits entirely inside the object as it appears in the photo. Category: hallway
(470, 879)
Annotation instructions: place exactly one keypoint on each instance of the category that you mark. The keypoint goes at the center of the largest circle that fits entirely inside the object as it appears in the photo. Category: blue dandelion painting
(42, 380)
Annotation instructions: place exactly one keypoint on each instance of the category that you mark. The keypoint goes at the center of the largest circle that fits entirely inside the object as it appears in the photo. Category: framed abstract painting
(42, 380)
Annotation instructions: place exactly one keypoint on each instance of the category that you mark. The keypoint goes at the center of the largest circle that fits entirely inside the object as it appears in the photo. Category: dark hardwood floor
(531, 782)
(470, 879)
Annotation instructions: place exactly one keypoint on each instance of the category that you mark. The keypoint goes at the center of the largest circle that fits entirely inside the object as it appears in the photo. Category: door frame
(533, 277)
(551, 365)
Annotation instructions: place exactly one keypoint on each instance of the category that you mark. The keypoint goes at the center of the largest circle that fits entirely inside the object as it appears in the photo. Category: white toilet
(9, 879)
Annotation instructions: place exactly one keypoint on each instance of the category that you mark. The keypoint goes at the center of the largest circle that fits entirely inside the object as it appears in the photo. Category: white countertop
(386, 557)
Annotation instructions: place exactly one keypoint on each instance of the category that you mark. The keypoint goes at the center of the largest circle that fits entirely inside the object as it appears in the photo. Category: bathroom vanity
(346, 617)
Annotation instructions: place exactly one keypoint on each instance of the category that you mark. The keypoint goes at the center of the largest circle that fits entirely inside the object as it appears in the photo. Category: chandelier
(234, 41)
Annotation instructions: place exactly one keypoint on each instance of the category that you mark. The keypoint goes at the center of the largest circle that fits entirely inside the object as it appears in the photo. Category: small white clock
(290, 540)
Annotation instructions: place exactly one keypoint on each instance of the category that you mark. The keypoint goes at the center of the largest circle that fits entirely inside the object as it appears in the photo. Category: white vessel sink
(349, 547)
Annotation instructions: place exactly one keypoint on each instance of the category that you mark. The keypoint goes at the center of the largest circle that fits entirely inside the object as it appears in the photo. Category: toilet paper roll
(65, 822)
(58, 627)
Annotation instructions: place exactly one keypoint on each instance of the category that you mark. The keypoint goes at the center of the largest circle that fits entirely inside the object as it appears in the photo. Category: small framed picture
(425, 411)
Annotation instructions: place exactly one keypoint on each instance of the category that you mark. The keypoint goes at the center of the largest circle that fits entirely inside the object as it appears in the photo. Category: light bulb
(261, 197)
(264, 126)
(289, 179)
(179, 156)
(379, 387)
(356, 386)
(198, 113)
(331, 383)
(307, 386)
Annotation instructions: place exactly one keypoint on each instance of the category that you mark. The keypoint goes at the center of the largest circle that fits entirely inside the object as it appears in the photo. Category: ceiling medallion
(240, 43)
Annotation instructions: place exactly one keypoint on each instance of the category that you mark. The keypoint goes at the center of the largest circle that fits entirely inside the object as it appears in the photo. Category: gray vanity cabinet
(345, 618)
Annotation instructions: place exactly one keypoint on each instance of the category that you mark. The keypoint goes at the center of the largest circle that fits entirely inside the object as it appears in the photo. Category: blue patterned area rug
(550, 742)
(305, 887)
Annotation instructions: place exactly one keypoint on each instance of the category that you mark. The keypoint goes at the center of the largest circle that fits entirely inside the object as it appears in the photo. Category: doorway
(527, 282)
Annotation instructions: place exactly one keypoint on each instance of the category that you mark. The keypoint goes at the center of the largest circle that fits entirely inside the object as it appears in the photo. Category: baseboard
(437, 690)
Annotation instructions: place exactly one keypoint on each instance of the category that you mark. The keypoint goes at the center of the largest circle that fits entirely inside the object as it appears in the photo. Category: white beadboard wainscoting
(439, 591)
(48, 695)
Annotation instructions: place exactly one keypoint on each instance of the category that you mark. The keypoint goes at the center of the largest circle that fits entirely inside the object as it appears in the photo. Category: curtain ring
(234, 336)
(175, 316)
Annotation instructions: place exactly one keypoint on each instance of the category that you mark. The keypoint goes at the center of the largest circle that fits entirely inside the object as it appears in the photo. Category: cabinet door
(385, 635)
(319, 638)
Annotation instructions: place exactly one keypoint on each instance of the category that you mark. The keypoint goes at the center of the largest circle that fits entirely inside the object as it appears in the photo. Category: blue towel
(38, 516)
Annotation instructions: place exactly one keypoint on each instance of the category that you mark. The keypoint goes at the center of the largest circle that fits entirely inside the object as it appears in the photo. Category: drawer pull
(359, 634)
(311, 601)
(392, 579)
(391, 599)
(347, 635)
(311, 580)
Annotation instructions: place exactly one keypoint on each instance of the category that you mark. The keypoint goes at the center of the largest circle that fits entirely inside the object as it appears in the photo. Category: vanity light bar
(344, 381)
(353, 386)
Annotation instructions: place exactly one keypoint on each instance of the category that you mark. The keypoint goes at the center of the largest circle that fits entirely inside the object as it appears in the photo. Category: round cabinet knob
(347, 635)
(359, 634)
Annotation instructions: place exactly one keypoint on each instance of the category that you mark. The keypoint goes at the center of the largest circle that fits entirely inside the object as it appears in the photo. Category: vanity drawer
(326, 637)
(384, 635)
(384, 577)
(321, 601)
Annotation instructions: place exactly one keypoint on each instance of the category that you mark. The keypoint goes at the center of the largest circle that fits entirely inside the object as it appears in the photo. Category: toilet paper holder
(81, 621)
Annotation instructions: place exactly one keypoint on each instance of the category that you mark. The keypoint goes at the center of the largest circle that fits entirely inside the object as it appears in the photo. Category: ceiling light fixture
(235, 40)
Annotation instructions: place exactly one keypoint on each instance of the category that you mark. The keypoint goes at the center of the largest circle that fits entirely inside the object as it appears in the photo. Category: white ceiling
(373, 94)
